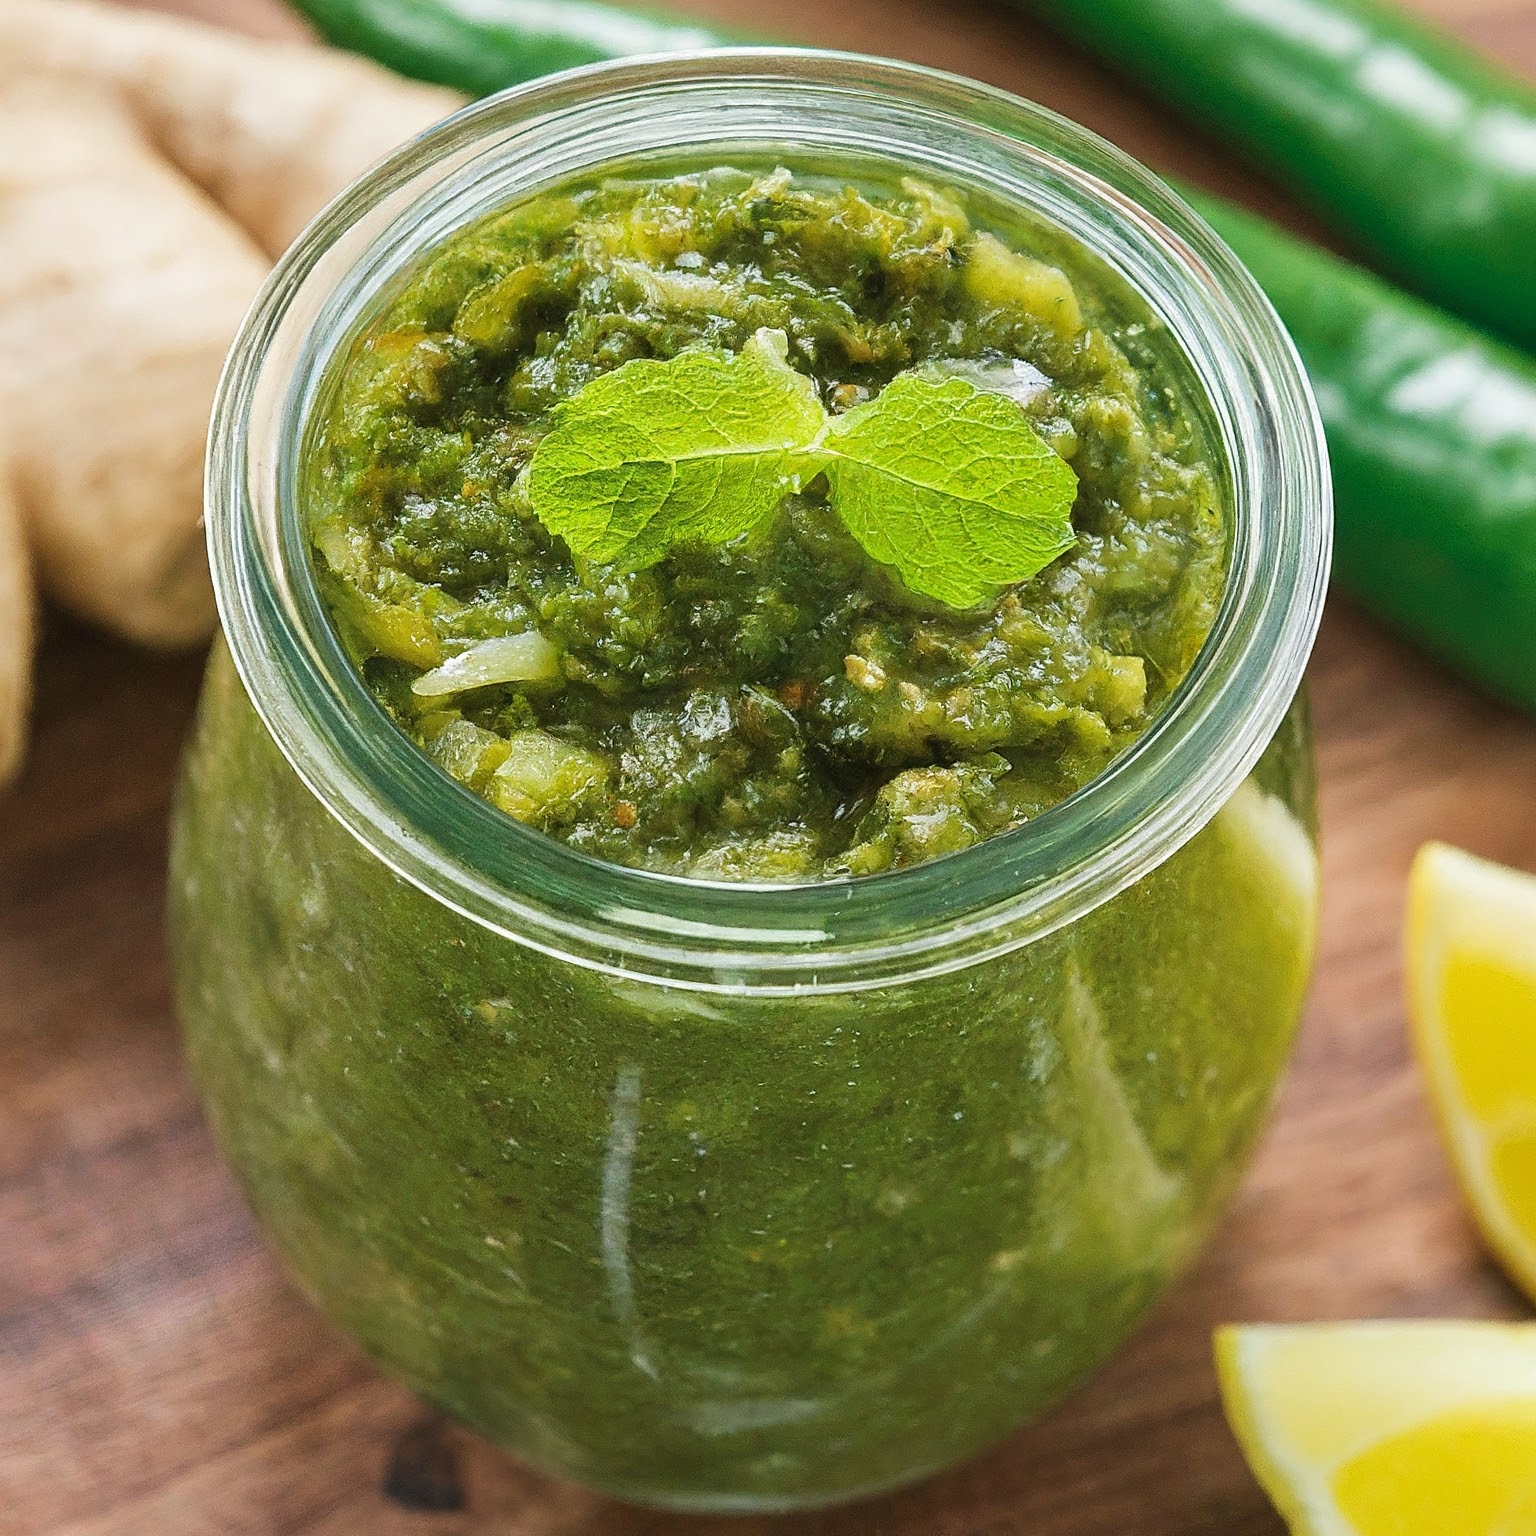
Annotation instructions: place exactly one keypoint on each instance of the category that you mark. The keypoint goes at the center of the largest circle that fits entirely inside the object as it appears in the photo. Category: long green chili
(1420, 151)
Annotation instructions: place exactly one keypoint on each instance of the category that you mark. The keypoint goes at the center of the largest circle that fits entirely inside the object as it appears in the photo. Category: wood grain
(158, 1377)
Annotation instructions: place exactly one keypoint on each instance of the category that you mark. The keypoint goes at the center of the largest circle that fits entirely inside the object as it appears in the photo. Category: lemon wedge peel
(1470, 944)
(1323, 1411)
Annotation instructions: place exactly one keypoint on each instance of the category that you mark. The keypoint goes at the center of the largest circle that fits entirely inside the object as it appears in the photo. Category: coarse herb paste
(780, 705)
(701, 1236)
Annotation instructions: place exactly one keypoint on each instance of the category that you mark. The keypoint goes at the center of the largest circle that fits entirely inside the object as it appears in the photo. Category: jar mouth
(727, 936)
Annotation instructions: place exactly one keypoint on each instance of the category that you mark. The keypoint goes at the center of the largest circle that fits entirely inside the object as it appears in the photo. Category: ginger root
(120, 288)
(149, 167)
(271, 131)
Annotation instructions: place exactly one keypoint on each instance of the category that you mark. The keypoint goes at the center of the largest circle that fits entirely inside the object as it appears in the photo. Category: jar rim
(847, 934)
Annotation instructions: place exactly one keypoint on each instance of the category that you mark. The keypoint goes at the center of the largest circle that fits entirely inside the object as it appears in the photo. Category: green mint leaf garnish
(948, 483)
(699, 447)
(951, 485)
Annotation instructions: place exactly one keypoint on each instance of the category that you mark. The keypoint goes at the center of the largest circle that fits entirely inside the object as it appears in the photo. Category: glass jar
(722, 1196)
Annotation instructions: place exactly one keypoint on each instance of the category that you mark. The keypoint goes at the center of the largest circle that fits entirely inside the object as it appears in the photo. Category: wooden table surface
(159, 1377)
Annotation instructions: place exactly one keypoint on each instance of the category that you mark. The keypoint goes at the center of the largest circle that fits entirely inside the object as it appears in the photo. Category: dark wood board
(159, 1377)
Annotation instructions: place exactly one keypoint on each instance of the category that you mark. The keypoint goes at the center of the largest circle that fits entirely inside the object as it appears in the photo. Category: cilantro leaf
(701, 446)
(951, 485)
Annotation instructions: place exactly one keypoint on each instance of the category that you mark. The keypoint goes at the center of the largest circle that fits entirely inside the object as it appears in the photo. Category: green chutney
(726, 1245)
(779, 707)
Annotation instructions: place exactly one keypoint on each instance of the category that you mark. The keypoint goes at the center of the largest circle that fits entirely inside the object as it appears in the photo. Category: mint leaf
(951, 485)
(946, 482)
(701, 446)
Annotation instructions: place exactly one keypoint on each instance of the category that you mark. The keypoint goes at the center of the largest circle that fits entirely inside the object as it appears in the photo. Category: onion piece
(525, 658)
(1016, 378)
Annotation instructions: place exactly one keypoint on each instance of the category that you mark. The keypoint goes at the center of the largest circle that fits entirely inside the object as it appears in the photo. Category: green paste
(718, 1250)
(723, 1248)
(778, 707)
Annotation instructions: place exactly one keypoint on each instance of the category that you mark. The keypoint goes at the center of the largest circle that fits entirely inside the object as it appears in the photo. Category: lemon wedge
(1388, 1429)
(1471, 954)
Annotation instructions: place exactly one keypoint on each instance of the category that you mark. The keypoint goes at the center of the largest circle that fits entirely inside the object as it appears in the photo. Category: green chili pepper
(480, 46)
(1432, 434)
(1419, 151)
